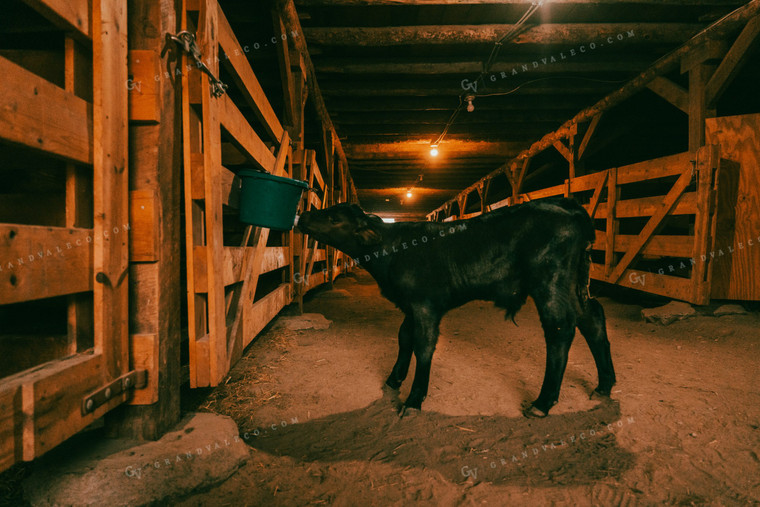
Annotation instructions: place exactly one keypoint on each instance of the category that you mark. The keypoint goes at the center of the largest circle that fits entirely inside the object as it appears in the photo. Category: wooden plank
(51, 401)
(663, 246)
(260, 313)
(677, 95)
(657, 168)
(651, 225)
(563, 150)
(11, 428)
(698, 108)
(733, 61)
(143, 85)
(69, 15)
(144, 226)
(735, 276)
(192, 167)
(663, 285)
(274, 257)
(111, 185)
(246, 80)
(708, 158)
(144, 355)
(611, 227)
(286, 75)
(544, 33)
(244, 137)
(593, 205)
(41, 262)
(214, 110)
(646, 206)
(38, 114)
(588, 134)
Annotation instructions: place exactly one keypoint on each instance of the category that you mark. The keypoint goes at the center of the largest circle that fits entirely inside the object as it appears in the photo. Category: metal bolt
(89, 405)
(108, 393)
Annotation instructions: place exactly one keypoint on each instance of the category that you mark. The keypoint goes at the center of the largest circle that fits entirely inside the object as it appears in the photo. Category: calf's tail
(584, 263)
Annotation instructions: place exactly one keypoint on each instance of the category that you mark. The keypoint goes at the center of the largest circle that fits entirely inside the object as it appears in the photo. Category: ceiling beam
(367, 66)
(420, 148)
(440, 118)
(368, 3)
(378, 88)
(338, 106)
(565, 35)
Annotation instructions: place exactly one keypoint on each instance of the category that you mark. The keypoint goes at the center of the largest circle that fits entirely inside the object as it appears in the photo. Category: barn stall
(160, 342)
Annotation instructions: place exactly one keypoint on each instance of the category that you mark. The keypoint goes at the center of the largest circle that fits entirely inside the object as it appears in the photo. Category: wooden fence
(646, 239)
(99, 162)
(64, 250)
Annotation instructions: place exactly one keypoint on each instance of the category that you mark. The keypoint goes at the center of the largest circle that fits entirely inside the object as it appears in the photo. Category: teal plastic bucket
(269, 201)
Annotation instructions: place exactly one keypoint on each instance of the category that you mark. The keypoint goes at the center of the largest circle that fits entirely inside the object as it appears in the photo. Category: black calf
(537, 249)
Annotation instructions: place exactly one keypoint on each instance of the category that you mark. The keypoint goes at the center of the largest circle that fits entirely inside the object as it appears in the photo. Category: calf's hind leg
(558, 322)
(593, 327)
(405, 349)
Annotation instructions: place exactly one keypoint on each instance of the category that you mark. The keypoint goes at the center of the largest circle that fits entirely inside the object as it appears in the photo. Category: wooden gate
(65, 226)
(683, 267)
(225, 309)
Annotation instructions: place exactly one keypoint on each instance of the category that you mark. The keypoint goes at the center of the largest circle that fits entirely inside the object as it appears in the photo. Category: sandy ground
(682, 427)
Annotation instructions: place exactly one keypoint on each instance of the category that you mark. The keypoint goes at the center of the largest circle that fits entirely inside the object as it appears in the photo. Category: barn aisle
(309, 403)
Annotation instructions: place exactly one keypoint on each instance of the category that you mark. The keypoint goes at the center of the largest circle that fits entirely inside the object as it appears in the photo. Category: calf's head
(344, 226)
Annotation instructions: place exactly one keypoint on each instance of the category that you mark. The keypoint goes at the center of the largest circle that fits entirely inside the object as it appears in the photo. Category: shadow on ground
(576, 448)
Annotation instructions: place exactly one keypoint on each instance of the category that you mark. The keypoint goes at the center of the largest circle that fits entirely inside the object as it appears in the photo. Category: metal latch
(186, 41)
(135, 379)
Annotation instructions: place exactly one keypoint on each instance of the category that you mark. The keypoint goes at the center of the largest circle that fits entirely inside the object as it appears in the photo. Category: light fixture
(409, 194)
(433, 150)
(470, 105)
(389, 220)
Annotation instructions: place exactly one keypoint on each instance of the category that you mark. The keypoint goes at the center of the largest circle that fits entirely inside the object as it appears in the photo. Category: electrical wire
(511, 34)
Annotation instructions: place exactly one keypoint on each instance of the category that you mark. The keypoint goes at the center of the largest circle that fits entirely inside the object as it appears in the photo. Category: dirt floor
(682, 427)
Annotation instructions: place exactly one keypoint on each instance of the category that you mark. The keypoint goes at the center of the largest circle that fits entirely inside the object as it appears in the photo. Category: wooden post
(155, 286)
(613, 192)
(78, 209)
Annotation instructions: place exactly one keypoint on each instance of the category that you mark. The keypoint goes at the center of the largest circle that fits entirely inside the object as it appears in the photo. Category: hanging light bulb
(470, 105)
(409, 194)
(433, 150)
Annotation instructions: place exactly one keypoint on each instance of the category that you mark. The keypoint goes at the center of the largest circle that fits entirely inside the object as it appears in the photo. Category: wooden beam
(546, 33)
(368, 3)
(698, 109)
(243, 134)
(589, 134)
(110, 185)
(41, 262)
(242, 73)
(512, 69)
(672, 92)
(563, 150)
(37, 114)
(603, 177)
(69, 15)
(733, 61)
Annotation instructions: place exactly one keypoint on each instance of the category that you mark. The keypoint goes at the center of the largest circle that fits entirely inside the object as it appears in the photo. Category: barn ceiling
(392, 73)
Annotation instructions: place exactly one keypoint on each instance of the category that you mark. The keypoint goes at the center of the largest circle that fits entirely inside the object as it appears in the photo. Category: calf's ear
(368, 235)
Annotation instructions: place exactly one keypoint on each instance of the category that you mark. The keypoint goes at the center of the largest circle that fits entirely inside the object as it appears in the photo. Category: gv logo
(467, 85)
(470, 472)
(635, 278)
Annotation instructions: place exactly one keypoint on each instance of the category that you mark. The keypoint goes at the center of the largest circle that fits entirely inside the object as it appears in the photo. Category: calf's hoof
(408, 411)
(392, 384)
(532, 412)
(598, 394)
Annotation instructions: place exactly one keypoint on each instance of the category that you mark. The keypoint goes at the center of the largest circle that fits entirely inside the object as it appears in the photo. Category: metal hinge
(186, 41)
(135, 379)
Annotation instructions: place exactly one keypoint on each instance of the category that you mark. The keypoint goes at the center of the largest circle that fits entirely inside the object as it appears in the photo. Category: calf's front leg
(405, 348)
(425, 337)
